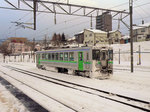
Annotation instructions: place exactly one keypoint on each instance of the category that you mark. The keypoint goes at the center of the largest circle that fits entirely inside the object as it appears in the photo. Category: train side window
(96, 54)
(43, 56)
(56, 56)
(49, 56)
(65, 56)
(46, 56)
(53, 56)
(71, 56)
(61, 56)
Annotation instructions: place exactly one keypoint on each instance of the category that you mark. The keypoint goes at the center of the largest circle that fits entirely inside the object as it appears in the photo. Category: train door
(80, 60)
(38, 59)
(103, 58)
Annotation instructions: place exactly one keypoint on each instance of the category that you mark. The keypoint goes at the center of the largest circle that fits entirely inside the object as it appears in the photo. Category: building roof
(125, 37)
(79, 33)
(141, 26)
(114, 31)
(73, 38)
(96, 31)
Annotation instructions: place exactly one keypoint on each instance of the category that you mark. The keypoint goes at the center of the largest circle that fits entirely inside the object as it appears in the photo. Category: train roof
(66, 49)
(72, 49)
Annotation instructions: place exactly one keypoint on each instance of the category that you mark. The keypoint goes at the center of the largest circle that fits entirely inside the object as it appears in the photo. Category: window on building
(71, 56)
(143, 30)
(90, 34)
(116, 35)
(66, 56)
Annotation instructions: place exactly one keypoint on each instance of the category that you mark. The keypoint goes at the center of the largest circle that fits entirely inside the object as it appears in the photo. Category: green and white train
(93, 62)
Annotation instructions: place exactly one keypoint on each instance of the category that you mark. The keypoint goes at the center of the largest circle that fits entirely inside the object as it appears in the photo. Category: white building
(93, 37)
(141, 32)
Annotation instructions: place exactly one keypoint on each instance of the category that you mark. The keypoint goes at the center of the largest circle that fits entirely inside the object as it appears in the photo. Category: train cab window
(96, 54)
(103, 55)
(61, 56)
(66, 56)
(49, 56)
(56, 56)
(110, 54)
(71, 56)
(53, 56)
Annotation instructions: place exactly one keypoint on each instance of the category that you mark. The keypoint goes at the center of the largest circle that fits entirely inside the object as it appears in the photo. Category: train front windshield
(96, 54)
(110, 54)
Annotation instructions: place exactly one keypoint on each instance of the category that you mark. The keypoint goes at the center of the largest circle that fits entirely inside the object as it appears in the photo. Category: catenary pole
(131, 32)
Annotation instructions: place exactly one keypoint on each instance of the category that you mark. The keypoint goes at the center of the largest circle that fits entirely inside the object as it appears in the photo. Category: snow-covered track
(36, 107)
(30, 104)
(124, 99)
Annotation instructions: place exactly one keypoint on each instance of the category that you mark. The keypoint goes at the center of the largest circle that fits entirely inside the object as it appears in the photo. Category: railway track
(132, 102)
(32, 105)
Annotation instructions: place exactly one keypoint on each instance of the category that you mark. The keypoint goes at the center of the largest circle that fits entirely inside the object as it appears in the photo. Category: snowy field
(135, 85)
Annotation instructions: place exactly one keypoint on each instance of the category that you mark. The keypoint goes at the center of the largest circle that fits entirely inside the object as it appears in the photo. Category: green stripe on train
(58, 61)
(87, 62)
(110, 62)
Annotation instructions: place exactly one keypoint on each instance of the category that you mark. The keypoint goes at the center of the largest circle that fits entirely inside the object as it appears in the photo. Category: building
(104, 22)
(79, 37)
(18, 45)
(141, 32)
(125, 39)
(93, 37)
(114, 37)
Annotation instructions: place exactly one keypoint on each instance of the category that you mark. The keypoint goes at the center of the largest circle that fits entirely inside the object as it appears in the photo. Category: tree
(5, 50)
(63, 38)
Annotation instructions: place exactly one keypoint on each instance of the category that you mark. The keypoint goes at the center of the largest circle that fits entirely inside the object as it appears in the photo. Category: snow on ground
(125, 58)
(136, 85)
(77, 99)
(8, 103)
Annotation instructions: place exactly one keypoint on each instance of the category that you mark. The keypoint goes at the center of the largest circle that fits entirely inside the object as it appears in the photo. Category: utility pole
(131, 32)
(45, 42)
(119, 56)
(34, 12)
(91, 22)
(139, 55)
(33, 49)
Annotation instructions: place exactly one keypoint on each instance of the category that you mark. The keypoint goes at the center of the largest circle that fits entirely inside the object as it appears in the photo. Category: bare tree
(5, 50)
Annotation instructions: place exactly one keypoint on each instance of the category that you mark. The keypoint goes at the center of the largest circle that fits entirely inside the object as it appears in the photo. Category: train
(93, 62)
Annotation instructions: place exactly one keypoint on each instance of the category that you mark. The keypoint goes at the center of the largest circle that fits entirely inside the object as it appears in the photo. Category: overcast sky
(70, 25)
